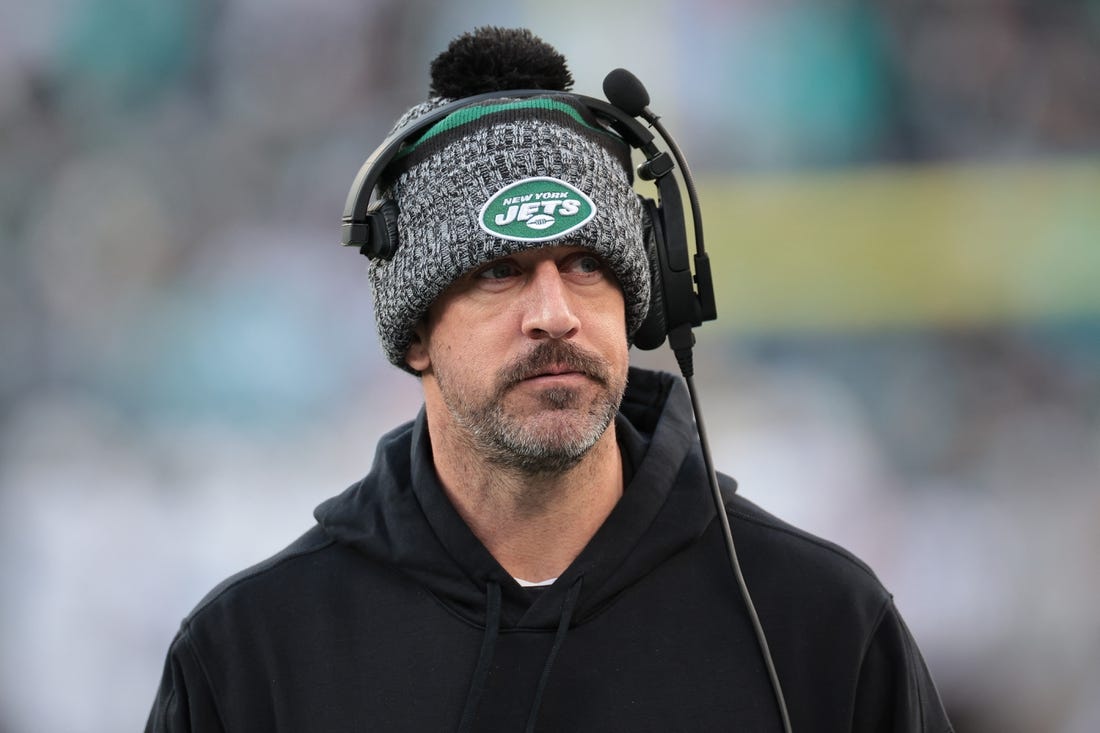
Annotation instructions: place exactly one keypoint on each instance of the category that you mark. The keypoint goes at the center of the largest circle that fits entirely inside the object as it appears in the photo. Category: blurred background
(902, 203)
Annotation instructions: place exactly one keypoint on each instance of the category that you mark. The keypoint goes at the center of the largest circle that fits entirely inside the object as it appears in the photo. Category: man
(537, 549)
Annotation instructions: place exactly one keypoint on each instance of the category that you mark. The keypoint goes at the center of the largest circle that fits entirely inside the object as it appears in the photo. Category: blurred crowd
(189, 363)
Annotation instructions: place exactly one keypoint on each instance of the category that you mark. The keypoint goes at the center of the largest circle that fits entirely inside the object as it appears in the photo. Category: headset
(679, 301)
(370, 223)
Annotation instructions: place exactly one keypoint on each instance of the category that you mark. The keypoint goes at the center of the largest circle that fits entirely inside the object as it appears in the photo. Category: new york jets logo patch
(536, 209)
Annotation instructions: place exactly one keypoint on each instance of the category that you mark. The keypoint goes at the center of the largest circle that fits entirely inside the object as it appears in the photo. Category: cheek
(465, 349)
(611, 325)
(618, 350)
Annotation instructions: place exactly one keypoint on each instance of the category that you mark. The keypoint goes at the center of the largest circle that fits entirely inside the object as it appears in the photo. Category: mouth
(555, 374)
(556, 371)
(555, 365)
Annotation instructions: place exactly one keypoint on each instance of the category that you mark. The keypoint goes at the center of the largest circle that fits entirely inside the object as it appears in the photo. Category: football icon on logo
(540, 221)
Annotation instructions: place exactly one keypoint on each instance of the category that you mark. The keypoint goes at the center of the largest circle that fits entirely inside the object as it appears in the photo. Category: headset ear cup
(382, 220)
(654, 328)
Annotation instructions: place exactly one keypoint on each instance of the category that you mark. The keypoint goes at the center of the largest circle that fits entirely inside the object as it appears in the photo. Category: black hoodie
(390, 615)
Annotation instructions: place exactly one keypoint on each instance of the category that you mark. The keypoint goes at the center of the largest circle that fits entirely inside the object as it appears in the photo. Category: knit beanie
(503, 176)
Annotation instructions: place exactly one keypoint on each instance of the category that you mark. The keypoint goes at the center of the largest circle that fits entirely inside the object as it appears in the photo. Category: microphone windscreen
(626, 92)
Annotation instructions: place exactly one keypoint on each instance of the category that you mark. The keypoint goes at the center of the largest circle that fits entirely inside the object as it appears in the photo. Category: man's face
(528, 354)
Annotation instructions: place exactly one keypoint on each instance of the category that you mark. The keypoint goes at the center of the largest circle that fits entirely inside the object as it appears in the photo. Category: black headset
(676, 304)
(678, 301)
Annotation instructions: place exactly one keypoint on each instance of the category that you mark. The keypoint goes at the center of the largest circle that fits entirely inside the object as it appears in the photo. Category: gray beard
(523, 445)
(526, 449)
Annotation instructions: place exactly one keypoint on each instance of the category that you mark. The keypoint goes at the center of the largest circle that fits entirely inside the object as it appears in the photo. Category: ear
(417, 354)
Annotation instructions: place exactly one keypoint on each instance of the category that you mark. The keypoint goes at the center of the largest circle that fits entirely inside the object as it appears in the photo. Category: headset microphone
(625, 91)
(687, 300)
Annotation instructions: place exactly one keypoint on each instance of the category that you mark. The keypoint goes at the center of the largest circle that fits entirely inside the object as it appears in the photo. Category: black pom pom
(492, 59)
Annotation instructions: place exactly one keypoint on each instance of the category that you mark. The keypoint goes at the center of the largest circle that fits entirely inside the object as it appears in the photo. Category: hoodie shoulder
(789, 570)
(272, 569)
(787, 538)
(830, 619)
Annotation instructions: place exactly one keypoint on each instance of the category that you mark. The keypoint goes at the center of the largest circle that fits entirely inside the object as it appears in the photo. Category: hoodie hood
(399, 515)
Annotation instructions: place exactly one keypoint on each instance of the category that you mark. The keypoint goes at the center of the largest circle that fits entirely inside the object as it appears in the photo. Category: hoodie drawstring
(567, 607)
(484, 658)
(488, 647)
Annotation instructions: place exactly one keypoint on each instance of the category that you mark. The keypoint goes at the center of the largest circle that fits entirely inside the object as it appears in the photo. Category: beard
(558, 433)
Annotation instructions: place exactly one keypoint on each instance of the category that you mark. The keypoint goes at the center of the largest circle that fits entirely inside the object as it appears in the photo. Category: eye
(498, 270)
(589, 263)
(584, 264)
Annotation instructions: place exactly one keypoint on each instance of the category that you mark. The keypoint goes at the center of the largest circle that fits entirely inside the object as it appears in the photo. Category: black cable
(626, 92)
(681, 339)
(685, 176)
(731, 550)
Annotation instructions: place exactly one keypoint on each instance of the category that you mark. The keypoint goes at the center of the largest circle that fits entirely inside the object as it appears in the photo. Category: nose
(548, 308)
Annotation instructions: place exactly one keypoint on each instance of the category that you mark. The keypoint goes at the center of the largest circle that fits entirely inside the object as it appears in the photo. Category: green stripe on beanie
(468, 115)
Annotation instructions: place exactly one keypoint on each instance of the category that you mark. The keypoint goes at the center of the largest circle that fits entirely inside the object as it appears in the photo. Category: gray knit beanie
(501, 177)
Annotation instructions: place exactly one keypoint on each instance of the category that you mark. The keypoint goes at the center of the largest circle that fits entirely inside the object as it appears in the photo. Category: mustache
(549, 354)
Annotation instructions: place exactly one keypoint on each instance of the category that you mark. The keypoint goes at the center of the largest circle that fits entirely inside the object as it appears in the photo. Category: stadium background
(901, 203)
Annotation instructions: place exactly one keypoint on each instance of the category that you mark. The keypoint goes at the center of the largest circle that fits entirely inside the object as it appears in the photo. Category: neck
(535, 525)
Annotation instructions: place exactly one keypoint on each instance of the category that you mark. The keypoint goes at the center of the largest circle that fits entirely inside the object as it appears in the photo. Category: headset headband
(356, 227)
